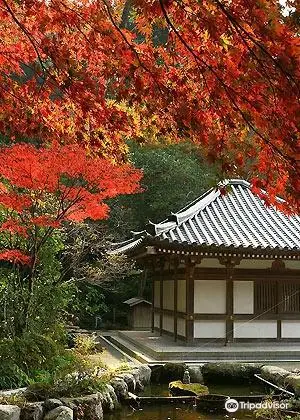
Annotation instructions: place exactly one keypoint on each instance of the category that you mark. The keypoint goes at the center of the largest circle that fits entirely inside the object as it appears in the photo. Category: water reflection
(170, 412)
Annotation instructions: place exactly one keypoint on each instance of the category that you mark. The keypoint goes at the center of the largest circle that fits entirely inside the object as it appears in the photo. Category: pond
(223, 389)
(172, 412)
(177, 411)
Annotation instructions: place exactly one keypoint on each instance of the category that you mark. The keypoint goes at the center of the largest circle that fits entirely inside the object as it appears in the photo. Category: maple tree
(224, 74)
(43, 187)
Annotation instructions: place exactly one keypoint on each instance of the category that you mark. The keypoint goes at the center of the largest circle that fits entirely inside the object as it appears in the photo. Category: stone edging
(89, 406)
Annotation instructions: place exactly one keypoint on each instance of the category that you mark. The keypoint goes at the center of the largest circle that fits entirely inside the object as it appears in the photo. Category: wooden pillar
(189, 326)
(152, 307)
(175, 277)
(161, 286)
(229, 305)
(279, 309)
(229, 263)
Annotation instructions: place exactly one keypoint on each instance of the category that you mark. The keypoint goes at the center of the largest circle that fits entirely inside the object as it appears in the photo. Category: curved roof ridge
(204, 200)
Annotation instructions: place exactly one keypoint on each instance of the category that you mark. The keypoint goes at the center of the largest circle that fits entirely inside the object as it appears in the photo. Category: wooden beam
(189, 330)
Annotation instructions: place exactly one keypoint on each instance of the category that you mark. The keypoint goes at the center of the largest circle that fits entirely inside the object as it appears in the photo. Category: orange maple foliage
(225, 76)
(41, 188)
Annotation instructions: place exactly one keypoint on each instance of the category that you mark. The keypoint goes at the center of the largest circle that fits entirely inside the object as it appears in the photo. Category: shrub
(71, 385)
(12, 376)
(32, 357)
(86, 344)
(35, 351)
(168, 373)
(231, 373)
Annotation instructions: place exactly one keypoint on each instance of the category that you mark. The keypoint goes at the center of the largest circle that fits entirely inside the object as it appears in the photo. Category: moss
(177, 388)
(230, 373)
(18, 400)
(293, 381)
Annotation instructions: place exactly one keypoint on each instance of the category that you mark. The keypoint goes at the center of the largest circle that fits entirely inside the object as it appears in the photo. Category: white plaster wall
(168, 323)
(290, 329)
(209, 329)
(259, 264)
(255, 329)
(156, 294)
(210, 297)
(156, 320)
(181, 296)
(181, 326)
(168, 294)
(243, 297)
(209, 262)
(292, 265)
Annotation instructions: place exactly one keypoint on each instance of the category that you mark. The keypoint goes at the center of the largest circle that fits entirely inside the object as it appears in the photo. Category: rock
(68, 402)
(9, 412)
(293, 382)
(172, 372)
(108, 399)
(32, 411)
(88, 407)
(120, 387)
(138, 384)
(156, 372)
(60, 413)
(274, 374)
(38, 391)
(178, 388)
(13, 392)
(230, 373)
(52, 403)
(144, 374)
(196, 374)
(130, 381)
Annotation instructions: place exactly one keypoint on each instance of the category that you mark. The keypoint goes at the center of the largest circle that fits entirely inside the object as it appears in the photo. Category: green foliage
(21, 357)
(230, 373)
(174, 175)
(273, 414)
(88, 301)
(32, 335)
(71, 385)
(40, 310)
(12, 376)
(85, 344)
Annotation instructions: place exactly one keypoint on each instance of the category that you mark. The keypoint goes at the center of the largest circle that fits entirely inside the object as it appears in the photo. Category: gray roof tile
(238, 219)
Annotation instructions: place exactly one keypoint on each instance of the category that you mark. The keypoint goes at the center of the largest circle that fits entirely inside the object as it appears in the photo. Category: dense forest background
(174, 175)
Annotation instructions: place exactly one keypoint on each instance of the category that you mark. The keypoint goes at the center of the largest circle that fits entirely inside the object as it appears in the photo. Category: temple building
(224, 268)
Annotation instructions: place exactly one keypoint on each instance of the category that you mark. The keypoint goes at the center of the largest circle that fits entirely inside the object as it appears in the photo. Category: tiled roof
(136, 301)
(237, 219)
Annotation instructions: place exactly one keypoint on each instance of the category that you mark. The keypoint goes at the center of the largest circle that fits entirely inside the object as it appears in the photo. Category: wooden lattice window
(266, 296)
(289, 297)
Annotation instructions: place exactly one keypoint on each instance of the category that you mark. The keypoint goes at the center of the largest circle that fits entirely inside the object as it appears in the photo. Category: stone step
(193, 355)
(129, 349)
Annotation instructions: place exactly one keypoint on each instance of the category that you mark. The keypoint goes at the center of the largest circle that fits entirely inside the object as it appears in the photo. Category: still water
(185, 411)
(172, 412)
(223, 389)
